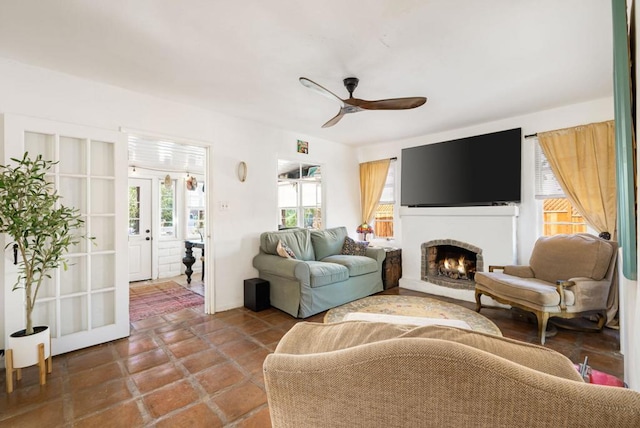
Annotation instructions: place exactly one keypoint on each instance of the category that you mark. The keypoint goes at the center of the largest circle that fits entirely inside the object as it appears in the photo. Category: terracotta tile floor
(188, 369)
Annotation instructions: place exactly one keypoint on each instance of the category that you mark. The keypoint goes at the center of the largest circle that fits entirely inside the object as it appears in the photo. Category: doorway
(173, 172)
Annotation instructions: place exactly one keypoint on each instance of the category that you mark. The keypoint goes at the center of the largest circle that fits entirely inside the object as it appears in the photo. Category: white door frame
(209, 281)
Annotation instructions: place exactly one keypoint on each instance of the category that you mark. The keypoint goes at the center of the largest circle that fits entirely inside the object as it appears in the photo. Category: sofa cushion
(354, 248)
(298, 240)
(357, 265)
(328, 242)
(582, 255)
(531, 290)
(322, 273)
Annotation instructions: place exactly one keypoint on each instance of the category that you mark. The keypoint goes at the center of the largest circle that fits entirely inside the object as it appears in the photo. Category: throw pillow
(283, 250)
(354, 248)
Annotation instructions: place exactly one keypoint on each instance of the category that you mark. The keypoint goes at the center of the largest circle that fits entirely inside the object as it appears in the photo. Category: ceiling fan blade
(321, 90)
(390, 104)
(335, 119)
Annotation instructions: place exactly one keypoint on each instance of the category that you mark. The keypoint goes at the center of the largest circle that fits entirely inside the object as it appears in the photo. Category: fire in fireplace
(455, 262)
(451, 263)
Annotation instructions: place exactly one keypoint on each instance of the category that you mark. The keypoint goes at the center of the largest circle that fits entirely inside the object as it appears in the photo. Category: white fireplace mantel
(490, 228)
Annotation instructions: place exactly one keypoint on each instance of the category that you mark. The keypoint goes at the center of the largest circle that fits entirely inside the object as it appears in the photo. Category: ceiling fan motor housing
(351, 83)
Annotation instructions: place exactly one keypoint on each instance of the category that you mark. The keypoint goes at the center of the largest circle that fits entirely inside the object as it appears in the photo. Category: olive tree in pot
(41, 231)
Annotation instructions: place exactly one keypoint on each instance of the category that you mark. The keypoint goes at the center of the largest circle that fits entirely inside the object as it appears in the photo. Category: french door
(88, 303)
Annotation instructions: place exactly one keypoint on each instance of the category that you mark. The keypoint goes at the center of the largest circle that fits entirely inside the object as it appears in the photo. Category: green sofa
(320, 277)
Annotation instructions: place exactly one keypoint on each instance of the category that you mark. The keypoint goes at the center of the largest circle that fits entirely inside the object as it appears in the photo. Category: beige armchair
(369, 374)
(567, 276)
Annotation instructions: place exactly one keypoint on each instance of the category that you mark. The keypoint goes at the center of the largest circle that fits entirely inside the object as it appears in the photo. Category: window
(299, 195)
(558, 214)
(195, 211)
(134, 210)
(167, 208)
(383, 217)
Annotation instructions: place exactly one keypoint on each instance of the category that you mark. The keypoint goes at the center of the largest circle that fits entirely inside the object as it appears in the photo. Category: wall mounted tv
(480, 170)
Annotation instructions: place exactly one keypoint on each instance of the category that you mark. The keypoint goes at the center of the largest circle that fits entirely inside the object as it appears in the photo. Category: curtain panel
(373, 175)
(583, 160)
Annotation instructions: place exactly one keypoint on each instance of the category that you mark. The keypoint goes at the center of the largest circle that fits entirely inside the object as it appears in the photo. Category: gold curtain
(373, 175)
(583, 161)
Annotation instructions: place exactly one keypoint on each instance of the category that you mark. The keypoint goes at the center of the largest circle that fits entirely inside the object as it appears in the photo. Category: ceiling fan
(353, 105)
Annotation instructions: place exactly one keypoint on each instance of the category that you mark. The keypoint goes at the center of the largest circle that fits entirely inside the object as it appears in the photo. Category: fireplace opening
(455, 262)
(451, 263)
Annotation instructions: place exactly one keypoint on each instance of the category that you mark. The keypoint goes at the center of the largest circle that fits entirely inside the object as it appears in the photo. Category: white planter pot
(25, 348)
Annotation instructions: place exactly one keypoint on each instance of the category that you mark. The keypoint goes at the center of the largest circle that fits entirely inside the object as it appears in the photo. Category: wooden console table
(188, 260)
(392, 268)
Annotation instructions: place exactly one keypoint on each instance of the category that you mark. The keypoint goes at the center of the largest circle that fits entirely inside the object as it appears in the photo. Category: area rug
(147, 301)
(412, 306)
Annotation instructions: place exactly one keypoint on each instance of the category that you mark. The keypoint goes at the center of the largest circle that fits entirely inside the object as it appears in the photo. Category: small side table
(392, 268)
(256, 294)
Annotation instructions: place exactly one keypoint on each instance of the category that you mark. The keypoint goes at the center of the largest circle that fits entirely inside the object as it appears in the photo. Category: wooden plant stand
(41, 366)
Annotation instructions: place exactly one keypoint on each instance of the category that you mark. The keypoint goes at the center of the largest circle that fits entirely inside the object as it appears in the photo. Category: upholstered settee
(319, 277)
(567, 276)
(367, 374)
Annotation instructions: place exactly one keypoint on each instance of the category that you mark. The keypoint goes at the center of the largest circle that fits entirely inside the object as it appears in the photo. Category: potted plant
(41, 230)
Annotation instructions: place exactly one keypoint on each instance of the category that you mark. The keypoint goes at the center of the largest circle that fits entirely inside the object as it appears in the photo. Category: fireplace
(451, 263)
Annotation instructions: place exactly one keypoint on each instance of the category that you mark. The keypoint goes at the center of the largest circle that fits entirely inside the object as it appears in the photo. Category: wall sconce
(242, 171)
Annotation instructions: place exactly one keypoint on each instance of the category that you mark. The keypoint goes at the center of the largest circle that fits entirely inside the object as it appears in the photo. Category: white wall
(577, 114)
(47, 94)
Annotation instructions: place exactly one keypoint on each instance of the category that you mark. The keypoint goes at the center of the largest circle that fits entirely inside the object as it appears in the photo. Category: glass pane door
(87, 303)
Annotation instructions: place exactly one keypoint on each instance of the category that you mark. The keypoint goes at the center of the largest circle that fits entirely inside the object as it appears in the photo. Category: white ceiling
(475, 61)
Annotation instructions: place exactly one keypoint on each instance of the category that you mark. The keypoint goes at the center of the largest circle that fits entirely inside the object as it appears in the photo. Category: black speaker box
(256, 294)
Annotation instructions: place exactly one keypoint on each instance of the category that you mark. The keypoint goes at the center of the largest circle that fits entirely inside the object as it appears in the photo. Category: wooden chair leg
(478, 302)
(8, 362)
(543, 318)
(602, 318)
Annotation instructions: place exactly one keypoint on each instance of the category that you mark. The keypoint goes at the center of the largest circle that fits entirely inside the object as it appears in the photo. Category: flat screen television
(480, 170)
